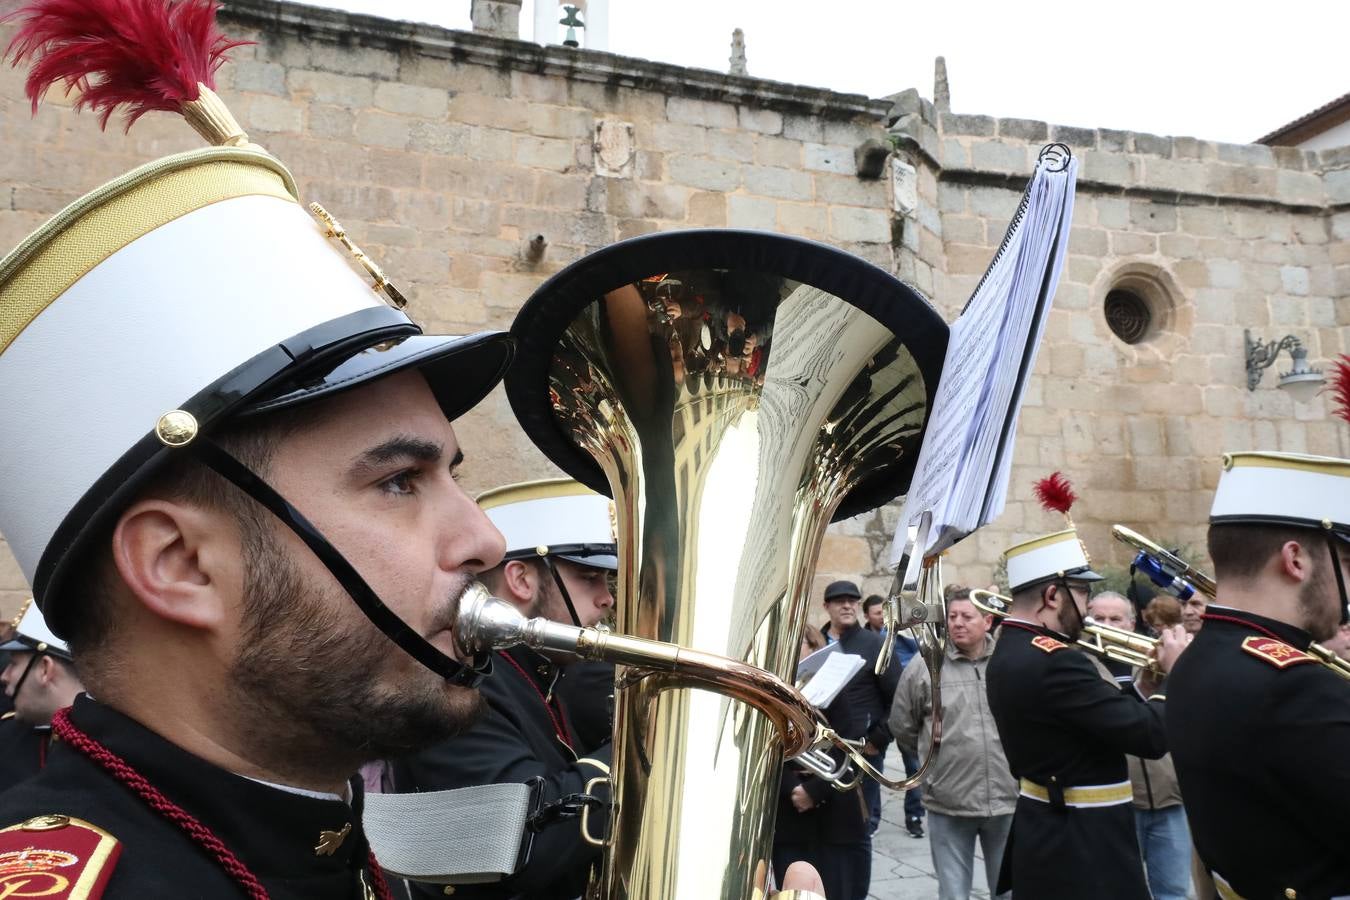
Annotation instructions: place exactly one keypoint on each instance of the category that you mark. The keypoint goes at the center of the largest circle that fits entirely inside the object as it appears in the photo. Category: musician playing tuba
(1260, 733)
(1066, 731)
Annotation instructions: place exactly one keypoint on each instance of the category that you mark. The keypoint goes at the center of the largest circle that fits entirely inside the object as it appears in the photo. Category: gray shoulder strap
(467, 836)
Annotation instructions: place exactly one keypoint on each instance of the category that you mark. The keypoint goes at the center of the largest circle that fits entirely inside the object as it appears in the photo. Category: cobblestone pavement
(902, 866)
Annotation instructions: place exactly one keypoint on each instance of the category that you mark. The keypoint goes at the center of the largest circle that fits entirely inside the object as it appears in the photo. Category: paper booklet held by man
(962, 472)
(831, 677)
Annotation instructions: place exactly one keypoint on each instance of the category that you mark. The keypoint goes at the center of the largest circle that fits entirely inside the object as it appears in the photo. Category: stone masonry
(453, 157)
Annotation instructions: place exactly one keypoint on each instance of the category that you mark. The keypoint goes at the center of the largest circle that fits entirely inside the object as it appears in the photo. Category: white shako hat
(1259, 487)
(556, 517)
(1048, 557)
(32, 635)
(186, 293)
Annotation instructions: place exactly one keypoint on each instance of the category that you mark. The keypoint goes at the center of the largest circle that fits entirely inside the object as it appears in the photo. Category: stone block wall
(1219, 238)
(446, 153)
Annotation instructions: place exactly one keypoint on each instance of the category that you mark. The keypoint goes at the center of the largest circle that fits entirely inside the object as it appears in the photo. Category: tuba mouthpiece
(486, 623)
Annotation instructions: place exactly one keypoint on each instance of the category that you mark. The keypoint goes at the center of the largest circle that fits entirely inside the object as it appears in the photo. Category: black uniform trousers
(1261, 740)
(1062, 726)
(274, 832)
(525, 734)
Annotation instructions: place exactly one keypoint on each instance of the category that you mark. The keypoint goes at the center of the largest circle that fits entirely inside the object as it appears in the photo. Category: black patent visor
(381, 616)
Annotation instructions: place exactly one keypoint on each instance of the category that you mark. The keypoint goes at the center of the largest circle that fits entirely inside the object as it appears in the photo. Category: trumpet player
(1159, 819)
(1066, 731)
(1260, 732)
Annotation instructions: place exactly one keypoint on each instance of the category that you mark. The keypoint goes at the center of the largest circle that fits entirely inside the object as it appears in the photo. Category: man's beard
(1319, 604)
(307, 679)
(1070, 619)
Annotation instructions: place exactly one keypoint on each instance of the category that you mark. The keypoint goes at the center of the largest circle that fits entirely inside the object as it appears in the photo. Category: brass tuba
(733, 392)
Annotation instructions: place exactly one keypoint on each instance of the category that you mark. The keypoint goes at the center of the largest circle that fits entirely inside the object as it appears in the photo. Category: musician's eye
(403, 483)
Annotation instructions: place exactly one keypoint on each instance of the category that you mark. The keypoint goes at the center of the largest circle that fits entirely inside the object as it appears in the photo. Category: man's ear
(519, 578)
(46, 669)
(176, 559)
(1294, 561)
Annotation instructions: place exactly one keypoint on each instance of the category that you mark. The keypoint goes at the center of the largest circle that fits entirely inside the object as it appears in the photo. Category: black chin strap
(1340, 579)
(27, 670)
(562, 588)
(1063, 582)
(381, 616)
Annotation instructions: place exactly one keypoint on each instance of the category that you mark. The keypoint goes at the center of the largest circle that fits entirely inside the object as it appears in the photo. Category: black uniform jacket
(1261, 741)
(1063, 726)
(587, 691)
(516, 741)
(863, 707)
(23, 750)
(272, 831)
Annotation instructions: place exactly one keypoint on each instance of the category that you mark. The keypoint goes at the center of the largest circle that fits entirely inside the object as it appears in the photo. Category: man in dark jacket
(859, 713)
(243, 658)
(40, 679)
(1267, 819)
(906, 648)
(1065, 732)
(1159, 819)
(560, 554)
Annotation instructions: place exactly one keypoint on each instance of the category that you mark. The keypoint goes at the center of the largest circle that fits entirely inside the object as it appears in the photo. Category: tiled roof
(1338, 110)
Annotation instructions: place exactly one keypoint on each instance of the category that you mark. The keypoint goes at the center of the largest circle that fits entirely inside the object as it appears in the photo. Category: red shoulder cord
(559, 723)
(120, 769)
(1220, 617)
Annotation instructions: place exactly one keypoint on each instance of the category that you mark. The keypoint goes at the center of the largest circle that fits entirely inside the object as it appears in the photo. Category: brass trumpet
(1176, 576)
(1103, 640)
(1164, 568)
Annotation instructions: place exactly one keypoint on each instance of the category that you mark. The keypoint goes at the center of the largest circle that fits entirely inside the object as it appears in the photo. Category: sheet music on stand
(963, 466)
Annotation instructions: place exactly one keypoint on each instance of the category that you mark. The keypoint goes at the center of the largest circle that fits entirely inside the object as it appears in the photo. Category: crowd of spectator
(968, 793)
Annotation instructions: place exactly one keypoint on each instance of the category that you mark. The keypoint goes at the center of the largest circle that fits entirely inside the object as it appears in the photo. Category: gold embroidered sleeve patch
(1277, 653)
(58, 857)
(1048, 644)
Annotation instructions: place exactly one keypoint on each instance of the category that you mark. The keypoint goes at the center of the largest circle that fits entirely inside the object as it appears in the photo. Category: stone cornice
(979, 178)
(337, 26)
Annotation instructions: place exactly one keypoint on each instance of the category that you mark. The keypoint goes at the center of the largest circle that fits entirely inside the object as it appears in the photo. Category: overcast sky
(1229, 71)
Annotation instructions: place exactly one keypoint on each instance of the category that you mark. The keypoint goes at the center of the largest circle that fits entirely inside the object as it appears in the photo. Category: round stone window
(1128, 315)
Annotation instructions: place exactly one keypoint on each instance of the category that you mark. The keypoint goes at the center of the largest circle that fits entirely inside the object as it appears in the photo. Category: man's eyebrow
(457, 461)
(400, 447)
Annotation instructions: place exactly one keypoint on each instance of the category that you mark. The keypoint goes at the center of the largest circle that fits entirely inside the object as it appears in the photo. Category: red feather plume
(140, 54)
(1055, 493)
(1340, 387)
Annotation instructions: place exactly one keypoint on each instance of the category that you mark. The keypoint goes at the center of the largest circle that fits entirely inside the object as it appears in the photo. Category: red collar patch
(1048, 644)
(58, 857)
(1277, 653)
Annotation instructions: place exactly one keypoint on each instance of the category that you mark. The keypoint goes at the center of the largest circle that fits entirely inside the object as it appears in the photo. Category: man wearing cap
(559, 559)
(1260, 730)
(40, 679)
(860, 712)
(1066, 731)
(229, 474)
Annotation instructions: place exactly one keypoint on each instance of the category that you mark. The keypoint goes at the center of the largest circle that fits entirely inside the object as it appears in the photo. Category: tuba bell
(734, 392)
